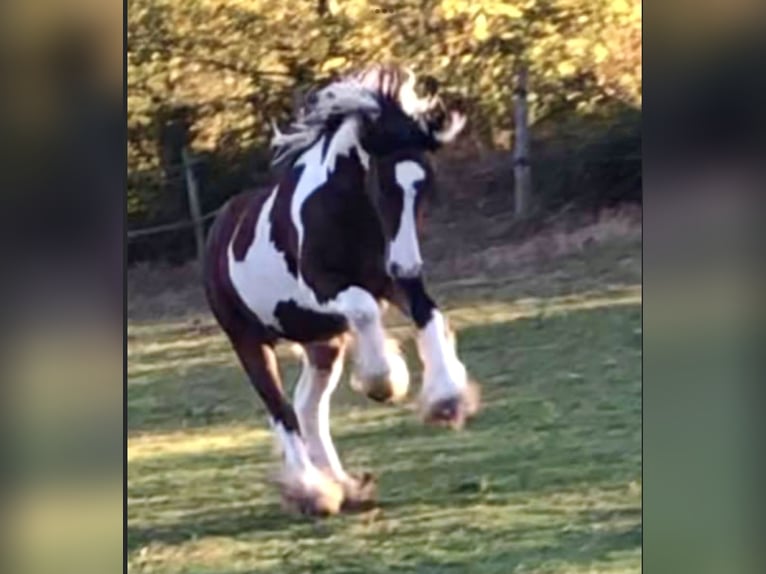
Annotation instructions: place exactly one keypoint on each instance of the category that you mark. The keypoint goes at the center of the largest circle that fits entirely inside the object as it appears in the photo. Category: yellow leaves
(444, 62)
(453, 8)
(600, 53)
(631, 80)
(504, 9)
(480, 27)
(607, 43)
(333, 64)
(566, 68)
(577, 46)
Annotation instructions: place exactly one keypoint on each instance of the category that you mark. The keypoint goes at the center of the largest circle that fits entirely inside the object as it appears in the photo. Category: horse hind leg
(305, 487)
(322, 369)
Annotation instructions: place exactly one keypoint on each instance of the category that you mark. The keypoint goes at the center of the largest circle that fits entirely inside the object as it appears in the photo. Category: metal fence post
(192, 191)
(521, 163)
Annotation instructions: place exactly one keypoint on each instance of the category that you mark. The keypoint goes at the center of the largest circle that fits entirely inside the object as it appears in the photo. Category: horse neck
(347, 137)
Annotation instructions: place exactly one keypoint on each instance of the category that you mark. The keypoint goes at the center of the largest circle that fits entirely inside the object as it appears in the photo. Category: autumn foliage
(229, 67)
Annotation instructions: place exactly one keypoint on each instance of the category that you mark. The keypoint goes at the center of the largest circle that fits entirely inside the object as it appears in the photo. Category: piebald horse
(313, 261)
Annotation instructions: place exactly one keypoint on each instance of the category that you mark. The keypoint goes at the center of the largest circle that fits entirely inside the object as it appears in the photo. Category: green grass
(547, 478)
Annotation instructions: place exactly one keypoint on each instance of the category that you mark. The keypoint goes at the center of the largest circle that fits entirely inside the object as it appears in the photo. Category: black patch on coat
(329, 133)
(344, 243)
(394, 130)
(307, 326)
(283, 231)
(421, 305)
(247, 207)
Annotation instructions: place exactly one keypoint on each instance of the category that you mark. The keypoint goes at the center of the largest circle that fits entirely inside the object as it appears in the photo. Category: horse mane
(313, 121)
(315, 117)
(385, 79)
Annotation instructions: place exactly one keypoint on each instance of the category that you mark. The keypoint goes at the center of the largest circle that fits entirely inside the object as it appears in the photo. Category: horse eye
(312, 99)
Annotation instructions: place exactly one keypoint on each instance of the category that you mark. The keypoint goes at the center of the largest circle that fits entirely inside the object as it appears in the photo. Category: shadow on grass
(577, 544)
(561, 420)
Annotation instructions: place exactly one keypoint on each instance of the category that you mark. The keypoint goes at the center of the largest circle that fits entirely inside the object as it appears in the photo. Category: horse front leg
(380, 370)
(447, 396)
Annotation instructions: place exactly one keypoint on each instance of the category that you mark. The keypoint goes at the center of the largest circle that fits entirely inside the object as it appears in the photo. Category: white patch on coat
(262, 278)
(312, 405)
(404, 250)
(444, 376)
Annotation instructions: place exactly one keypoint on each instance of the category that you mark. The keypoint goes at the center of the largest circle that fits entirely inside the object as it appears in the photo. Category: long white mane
(355, 92)
(343, 97)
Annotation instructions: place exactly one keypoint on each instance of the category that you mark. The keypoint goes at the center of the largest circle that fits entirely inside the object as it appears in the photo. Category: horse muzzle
(400, 272)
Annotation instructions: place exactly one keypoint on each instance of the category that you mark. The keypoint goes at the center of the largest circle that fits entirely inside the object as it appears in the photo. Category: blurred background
(206, 78)
(549, 300)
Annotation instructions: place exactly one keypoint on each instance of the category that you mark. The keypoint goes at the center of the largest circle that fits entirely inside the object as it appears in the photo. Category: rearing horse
(311, 262)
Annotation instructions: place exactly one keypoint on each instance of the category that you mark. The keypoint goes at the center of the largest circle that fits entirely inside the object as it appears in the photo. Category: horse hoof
(453, 411)
(390, 387)
(359, 493)
(379, 389)
(322, 497)
(389, 383)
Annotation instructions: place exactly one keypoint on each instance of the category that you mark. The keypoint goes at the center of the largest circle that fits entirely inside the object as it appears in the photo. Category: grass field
(547, 478)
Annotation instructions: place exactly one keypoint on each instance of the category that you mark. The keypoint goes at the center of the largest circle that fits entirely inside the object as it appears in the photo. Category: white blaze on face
(404, 250)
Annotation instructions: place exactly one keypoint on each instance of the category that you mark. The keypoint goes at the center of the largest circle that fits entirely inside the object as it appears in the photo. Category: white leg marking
(377, 359)
(297, 460)
(312, 405)
(363, 314)
(444, 376)
(302, 482)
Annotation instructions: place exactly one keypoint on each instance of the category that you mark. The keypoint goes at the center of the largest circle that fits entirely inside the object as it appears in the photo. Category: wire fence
(175, 226)
(190, 223)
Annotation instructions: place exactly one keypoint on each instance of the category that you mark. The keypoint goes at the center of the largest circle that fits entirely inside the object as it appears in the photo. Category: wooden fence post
(521, 161)
(196, 215)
